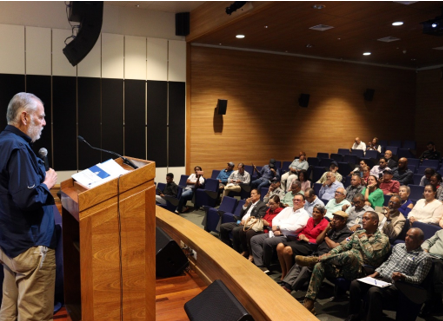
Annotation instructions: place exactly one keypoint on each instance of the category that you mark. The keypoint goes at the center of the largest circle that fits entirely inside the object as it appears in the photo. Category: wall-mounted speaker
(182, 24)
(170, 259)
(90, 16)
(369, 94)
(216, 303)
(303, 101)
(222, 105)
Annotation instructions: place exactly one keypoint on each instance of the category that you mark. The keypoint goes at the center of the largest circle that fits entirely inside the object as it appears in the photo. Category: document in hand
(374, 282)
(99, 174)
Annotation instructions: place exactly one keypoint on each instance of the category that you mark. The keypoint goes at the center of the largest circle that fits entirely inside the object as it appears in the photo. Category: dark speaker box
(303, 101)
(182, 24)
(216, 303)
(222, 105)
(170, 259)
(90, 16)
(369, 94)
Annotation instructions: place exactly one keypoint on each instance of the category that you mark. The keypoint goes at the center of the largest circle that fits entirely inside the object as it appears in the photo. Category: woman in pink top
(305, 183)
(305, 243)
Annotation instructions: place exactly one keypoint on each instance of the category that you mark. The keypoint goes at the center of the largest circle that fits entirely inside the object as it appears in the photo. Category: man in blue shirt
(327, 191)
(27, 238)
(224, 175)
(265, 175)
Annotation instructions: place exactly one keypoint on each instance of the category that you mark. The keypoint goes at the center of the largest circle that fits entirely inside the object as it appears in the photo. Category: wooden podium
(109, 246)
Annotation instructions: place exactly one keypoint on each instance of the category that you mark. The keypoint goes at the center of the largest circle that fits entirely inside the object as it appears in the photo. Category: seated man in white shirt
(377, 170)
(285, 227)
(338, 203)
(358, 144)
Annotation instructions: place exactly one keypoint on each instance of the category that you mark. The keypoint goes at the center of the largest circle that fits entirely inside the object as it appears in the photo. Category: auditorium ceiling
(358, 27)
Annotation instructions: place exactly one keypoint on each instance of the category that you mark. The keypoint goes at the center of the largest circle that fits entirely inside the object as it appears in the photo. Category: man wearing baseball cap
(224, 175)
(387, 184)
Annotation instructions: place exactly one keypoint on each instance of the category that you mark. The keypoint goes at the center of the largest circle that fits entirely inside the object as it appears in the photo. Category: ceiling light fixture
(239, 36)
(366, 53)
(266, 27)
(318, 6)
(397, 23)
(309, 45)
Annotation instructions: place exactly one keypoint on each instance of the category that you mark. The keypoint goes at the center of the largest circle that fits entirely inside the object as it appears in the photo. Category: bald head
(403, 163)
(357, 140)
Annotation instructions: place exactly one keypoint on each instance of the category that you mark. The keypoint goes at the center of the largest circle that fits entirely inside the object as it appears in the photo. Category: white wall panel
(90, 66)
(135, 57)
(112, 56)
(38, 51)
(177, 60)
(60, 64)
(177, 171)
(12, 49)
(157, 60)
(160, 174)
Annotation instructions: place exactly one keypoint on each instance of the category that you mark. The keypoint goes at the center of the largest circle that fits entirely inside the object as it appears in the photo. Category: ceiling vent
(321, 27)
(388, 39)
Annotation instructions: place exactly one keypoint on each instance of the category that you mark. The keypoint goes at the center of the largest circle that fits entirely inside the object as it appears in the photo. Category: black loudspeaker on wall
(170, 259)
(182, 24)
(90, 16)
(222, 105)
(303, 101)
(216, 303)
(369, 94)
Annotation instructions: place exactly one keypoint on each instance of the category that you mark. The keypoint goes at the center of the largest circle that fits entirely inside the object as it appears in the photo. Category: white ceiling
(165, 6)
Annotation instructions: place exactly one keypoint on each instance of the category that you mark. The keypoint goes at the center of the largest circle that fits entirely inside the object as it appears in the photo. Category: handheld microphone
(125, 160)
(43, 154)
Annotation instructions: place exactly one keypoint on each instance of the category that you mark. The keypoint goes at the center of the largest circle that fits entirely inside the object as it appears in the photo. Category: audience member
(355, 188)
(303, 178)
(311, 200)
(288, 222)
(394, 222)
(430, 153)
(355, 213)
(426, 179)
(330, 238)
(358, 144)
(274, 189)
(327, 191)
(195, 180)
(289, 196)
(427, 209)
(406, 203)
(387, 184)
(266, 174)
(391, 162)
(365, 176)
(367, 246)
(338, 203)
(294, 169)
(253, 207)
(169, 190)
(377, 170)
(402, 173)
(246, 235)
(359, 168)
(333, 168)
(238, 177)
(374, 145)
(373, 194)
(407, 263)
(305, 243)
(224, 175)
(436, 180)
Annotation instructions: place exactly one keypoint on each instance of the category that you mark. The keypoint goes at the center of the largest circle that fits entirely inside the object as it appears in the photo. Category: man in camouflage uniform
(367, 246)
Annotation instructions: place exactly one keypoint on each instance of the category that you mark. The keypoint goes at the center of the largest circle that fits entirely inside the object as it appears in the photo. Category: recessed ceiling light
(239, 36)
(318, 6)
(309, 45)
(397, 23)
(321, 27)
(366, 53)
(413, 59)
(266, 27)
(137, 5)
(219, 44)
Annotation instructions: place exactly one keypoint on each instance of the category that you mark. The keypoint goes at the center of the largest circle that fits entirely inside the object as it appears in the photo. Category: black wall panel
(41, 87)
(64, 117)
(157, 122)
(135, 118)
(177, 97)
(9, 86)
(112, 115)
(89, 119)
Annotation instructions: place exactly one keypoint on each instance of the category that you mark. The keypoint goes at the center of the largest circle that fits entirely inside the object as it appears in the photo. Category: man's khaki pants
(29, 285)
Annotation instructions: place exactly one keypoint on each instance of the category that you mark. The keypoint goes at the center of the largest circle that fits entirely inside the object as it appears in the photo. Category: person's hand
(397, 276)
(273, 170)
(323, 256)
(162, 195)
(427, 251)
(238, 181)
(374, 275)
(248, 201)
(412, 219)
(354, 228)
(380, 180)
(275, 228)
(219, 181)
(329, 227)
(278, 233)
(345, 207)
(362, 234)
(271, 188)
(51, 178)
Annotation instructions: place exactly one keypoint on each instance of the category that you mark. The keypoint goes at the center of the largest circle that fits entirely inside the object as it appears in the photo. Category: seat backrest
(383, 143)
(228, 204)
(285, 166)
(413, 162)
(337, 157)
(404, 152)
(211, 184)
(416, 192)
(393, 149)
(215, 173)
(387, 198)
(249, 169)
(322, 155)
(317, 187)
(417, 179)
(325, 162)
(409, 144)
(278, 164)
(343, 151)
(420, 170)
(239, 207)
(352, 159)
(358, 152)
(183, 180)
(313, 161)
(160, 186)
(263, 192)
(432, 163)
(347, 181)
(396, 143)
(317, 173)
(428, 229)
(344, 168)
(373, 154)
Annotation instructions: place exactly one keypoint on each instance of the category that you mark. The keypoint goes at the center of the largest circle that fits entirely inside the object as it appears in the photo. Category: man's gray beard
(34, 132)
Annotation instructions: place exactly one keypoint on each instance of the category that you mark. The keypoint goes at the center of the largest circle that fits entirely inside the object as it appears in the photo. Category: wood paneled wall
(263, 118)
(428, 120)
